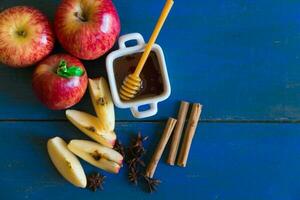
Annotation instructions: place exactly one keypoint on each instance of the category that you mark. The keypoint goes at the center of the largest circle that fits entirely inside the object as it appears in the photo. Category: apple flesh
(25, 36)
(97, 155)
(102, 102)
(66, 162)
(55, 90)
(87, 29)
(92, 127)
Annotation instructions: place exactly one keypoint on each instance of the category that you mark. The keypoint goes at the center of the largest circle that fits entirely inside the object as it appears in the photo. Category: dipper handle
(132, 83)
(154, 36)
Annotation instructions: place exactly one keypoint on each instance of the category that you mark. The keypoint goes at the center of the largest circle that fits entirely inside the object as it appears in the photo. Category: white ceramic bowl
(135, 104)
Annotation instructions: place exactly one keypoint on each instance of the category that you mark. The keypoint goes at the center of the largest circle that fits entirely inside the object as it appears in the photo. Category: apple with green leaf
(60, 81)
(25, 36)
(87, 29)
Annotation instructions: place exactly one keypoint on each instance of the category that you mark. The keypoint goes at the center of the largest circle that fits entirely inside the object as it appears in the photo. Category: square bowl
(135, 104)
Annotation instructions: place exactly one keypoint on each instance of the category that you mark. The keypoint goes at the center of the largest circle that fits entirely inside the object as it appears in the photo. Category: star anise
(151, 183)
(95, 181)
(133, 175)
(136, 148)
(138, 152)
(138, 141)
(131, 163)
(119, 148)
(134, 158)
(136, 161)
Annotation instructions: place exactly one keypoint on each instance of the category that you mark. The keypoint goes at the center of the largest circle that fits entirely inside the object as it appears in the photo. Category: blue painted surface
(227, 161)
(240, 59)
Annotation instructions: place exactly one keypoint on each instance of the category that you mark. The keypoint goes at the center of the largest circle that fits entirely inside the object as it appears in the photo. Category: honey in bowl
(152, 82)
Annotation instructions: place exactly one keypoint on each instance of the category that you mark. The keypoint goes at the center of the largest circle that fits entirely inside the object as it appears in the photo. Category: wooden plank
(239, 58)
(227, 161)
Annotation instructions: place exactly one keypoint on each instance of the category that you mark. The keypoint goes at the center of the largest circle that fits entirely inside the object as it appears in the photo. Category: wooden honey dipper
(132, 83)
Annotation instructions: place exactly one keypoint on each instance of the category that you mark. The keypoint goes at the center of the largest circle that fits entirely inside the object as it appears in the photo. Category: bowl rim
(112, 81)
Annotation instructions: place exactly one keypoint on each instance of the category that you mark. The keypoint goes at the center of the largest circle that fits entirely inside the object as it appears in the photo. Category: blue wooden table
(239, 58)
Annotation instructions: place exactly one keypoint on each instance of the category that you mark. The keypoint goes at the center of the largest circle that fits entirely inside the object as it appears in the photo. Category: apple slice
(102, 101)
(66, 162)
(97, 155)
(92, 127)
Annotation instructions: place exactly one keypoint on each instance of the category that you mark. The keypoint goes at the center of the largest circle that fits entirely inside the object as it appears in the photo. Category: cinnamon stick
(184, 106)
(189, 134)
(160, 147)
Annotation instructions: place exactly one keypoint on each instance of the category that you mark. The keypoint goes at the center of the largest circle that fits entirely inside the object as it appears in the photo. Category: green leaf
(68, 72)
(75, 71)
(62, 66)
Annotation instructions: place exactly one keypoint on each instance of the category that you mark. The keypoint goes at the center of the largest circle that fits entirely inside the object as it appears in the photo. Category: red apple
(60, 81)
(87, 28)
(25, 36)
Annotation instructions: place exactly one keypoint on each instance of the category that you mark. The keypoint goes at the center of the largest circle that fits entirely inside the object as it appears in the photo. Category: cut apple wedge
(102, 101)
(92, 127)
(66, 162)
(97, 155)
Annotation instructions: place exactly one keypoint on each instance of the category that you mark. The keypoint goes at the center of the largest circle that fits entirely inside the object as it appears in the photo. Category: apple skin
(26, 36)
(87, 29)
(54, 91)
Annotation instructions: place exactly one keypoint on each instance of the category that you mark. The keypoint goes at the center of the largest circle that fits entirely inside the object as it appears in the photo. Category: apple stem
(68, 72)
(80, 16)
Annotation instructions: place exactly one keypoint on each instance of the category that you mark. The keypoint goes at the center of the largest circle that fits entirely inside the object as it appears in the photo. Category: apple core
(21, 33)
(81, 16)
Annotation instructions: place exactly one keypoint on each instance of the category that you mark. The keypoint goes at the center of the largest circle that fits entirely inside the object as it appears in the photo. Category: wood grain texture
(227, 161)
(239, 58)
